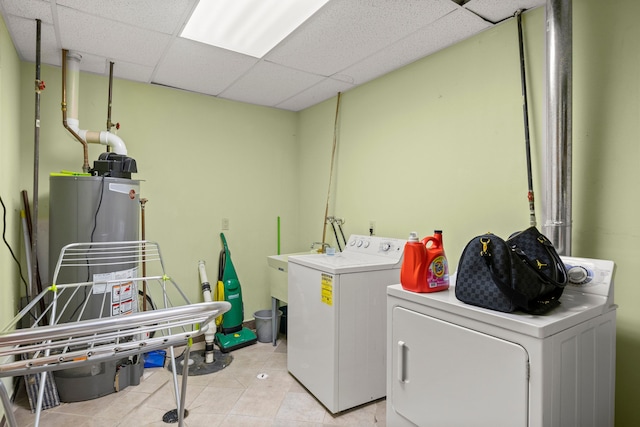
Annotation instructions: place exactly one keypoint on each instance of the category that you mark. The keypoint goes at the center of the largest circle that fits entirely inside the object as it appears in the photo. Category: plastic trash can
(263, 325)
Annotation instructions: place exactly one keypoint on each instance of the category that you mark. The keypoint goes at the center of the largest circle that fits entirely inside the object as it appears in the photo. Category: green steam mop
(231, 334)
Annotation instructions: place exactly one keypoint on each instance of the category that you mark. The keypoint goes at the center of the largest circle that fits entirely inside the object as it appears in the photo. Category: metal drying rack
(69, 333)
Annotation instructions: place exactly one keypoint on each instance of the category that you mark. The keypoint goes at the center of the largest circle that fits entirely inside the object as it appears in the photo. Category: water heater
(90, 209)
(85, 209)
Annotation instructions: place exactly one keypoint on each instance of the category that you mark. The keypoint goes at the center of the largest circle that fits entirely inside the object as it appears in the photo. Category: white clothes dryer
(454, 364)
(336, 341)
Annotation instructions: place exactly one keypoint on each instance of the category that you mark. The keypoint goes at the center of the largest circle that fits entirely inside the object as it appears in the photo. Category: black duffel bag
(524, 273)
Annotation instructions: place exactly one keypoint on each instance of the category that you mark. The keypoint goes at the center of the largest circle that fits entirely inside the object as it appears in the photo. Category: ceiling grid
(343, 45)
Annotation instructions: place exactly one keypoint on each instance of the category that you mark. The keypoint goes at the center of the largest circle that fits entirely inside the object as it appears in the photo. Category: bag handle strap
(556, 259)
(533, 306)
(518, 298)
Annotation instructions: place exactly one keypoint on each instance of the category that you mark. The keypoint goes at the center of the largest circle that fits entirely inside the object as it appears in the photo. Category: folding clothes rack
(100, 319)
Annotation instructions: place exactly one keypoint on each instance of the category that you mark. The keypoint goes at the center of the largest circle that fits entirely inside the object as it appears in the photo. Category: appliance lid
(361, 253)
(574, 309)
(344, 262)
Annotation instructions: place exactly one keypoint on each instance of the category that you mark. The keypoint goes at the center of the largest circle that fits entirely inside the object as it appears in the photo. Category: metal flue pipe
(558, 150)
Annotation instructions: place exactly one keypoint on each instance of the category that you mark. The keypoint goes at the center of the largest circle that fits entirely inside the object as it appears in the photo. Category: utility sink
(279, 262)
(278, 277)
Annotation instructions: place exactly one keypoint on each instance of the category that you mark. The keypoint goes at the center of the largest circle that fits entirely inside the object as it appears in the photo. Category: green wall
(440, 144)
(200, 159)
(606, 174)
(437, 144)
(10, 99)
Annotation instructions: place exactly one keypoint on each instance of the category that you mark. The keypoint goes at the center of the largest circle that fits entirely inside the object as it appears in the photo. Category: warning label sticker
(123, 290)
(326, 289)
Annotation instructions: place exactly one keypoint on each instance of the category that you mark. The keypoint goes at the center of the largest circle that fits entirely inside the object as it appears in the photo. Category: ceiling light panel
(251, 27)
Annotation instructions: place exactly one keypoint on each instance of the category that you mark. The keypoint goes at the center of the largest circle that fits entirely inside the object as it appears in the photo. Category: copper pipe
(85, 147)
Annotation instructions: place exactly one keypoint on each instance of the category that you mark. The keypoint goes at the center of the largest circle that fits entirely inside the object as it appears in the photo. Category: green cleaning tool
(231, 334)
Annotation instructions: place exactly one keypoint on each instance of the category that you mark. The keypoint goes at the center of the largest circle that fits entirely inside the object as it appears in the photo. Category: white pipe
(73, 95)
(105, 138)
(73, 85)
(209, 334)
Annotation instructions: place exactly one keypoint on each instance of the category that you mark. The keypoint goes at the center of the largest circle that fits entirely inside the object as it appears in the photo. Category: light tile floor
(234, 396)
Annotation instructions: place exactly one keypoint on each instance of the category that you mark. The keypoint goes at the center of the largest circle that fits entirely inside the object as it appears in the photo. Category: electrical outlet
(225, 223)
(372, 227)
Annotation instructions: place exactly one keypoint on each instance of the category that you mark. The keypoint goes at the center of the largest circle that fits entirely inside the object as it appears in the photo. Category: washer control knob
(359, 243)
(353, 242)
(386, 247)
(366, 244)
(578, 275)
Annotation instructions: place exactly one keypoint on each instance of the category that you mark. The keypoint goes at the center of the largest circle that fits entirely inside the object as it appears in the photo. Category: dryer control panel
(591, 276)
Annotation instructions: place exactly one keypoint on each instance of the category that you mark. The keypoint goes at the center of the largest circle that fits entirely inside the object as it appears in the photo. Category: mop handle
(525, 113)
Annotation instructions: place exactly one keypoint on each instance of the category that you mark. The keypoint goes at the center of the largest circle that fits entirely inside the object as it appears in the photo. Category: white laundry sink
(278, 276)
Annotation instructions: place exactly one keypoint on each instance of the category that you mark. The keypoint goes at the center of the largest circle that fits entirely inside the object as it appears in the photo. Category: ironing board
(68, 334)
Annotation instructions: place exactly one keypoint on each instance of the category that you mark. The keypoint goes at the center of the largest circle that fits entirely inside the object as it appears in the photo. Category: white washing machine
(453, 364)
(336, 341)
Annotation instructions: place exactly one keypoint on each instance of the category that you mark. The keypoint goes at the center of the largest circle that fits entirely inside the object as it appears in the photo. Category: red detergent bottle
(438, 267)
(424, 266)
(413, 274)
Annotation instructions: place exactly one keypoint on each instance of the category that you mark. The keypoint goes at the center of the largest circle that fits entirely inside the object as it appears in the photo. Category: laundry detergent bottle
(413, 272)
(438, 268)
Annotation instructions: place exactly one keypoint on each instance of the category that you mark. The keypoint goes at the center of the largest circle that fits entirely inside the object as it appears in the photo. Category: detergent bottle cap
(413, 236)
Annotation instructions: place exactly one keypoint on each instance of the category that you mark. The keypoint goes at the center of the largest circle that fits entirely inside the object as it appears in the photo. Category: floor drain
(262, 376)
(172, 416)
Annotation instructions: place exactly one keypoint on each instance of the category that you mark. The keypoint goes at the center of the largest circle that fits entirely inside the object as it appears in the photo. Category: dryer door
(447, 375)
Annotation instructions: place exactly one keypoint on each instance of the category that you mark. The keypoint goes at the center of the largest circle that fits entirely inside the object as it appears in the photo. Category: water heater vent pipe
(74, 104)
(71, 83)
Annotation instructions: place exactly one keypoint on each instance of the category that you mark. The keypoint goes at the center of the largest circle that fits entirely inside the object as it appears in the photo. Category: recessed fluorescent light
(252, 27)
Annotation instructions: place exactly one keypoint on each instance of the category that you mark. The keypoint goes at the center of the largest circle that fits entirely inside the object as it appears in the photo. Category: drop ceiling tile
(348, 42)
(269, 84)
(165, 16)
(90, 34)
(444, 32)
(322, 91)
(347, 31)
(499, 10)
(128, 71)
(200, 68)
(94, 64)
(23, 32)
(33, 9)
(121, 70)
